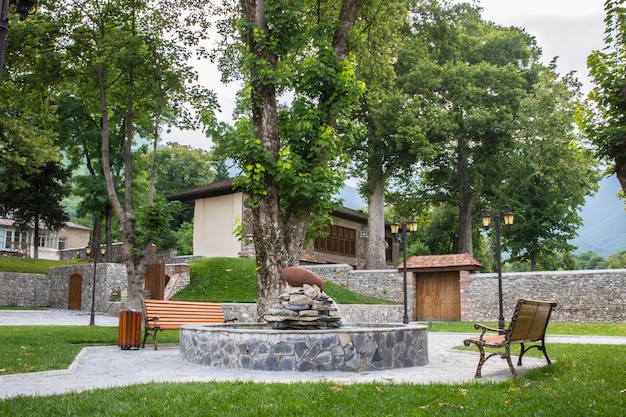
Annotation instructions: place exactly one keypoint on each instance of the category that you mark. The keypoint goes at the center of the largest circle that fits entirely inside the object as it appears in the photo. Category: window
(61, 245)
(340, 241)
(16, 240)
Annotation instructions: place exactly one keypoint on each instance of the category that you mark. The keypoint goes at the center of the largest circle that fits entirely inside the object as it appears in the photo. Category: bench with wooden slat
(170, 315)
(528, 325)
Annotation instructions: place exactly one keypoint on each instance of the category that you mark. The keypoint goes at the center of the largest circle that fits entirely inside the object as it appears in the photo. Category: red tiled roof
(462, 261)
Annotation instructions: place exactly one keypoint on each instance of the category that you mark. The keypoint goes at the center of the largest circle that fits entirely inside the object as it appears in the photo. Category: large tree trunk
(376, 254)
(465, 203)
(135, 264)
(277, 246)
(278, 234)
(36, 239)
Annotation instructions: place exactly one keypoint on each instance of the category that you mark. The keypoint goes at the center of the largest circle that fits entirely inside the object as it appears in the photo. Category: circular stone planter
(353, 348)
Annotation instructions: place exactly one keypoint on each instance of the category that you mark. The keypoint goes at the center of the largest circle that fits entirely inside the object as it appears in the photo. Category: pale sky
(569, 29)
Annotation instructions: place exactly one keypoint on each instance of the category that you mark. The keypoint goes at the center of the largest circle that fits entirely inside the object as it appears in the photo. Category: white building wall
(215, 221)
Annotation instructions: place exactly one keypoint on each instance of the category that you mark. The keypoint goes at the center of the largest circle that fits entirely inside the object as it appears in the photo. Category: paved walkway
(103, 367)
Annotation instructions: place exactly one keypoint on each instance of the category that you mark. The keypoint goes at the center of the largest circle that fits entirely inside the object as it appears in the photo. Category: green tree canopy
(603, 118)
(38, 203)
(468, 77)
(549, 173)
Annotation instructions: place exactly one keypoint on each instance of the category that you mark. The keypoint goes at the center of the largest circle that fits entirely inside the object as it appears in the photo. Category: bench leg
(483, 358)
(153, 333)
(508, 359)
(481, 361)
(541, 347)
(545, 353)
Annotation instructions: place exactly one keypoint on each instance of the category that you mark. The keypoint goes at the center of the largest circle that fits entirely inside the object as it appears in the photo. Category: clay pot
(297, 277)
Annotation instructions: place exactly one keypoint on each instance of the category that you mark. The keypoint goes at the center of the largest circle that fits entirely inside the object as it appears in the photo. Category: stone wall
(385, 284)
(597, 296)
(582, 296)
(111, 284)
(179, 278)
(349, 313)
(24, 290)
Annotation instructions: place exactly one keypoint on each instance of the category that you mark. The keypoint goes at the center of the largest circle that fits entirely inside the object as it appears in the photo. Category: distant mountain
(604, 221)
(604, 218)
(351, 198)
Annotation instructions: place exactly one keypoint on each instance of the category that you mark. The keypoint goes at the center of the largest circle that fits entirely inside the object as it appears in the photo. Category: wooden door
(76, 289)
(438, 296)
(155, 280)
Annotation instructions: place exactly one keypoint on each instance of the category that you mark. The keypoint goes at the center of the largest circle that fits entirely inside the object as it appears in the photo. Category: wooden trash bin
(130, 329)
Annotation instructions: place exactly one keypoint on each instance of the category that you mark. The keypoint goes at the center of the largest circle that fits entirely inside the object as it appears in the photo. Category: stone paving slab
(109, 366)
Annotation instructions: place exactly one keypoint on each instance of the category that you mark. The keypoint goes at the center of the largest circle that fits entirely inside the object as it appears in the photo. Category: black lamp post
(507, 216)
(395, 228)
(89, 250)
(23, 8)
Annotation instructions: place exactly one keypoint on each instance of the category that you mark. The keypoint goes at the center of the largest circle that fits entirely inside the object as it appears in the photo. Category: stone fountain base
(350, 349)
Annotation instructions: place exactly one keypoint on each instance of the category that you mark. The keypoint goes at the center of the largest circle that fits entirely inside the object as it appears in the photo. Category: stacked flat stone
(305, 307)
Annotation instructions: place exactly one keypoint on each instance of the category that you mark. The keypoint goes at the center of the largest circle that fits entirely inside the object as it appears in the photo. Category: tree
(549, 173)
(591, 260)
(393, 139)
(292, 156)
(184, 239)
(178, 168)
(468, 77)
(39, 202)
(616, 260)
(115, 50)
(27, 100)
(603, 119)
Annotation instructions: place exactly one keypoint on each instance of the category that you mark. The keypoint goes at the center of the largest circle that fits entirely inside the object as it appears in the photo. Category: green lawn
(585, 380)
(30, 266)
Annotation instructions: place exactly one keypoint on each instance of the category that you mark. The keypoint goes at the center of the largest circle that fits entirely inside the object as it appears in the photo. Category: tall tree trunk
(36, 239)
(533, 262)
(109, 238)
(277, 246)
(376, 254)
(465, 203)
(278, 236)
(135, 265)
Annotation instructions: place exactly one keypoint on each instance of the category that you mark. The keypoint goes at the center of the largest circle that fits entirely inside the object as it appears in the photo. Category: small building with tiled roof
(440, 283)
(442, 263)
(220, 211)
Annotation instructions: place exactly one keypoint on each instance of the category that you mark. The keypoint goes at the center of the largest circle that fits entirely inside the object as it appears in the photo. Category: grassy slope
(30, 266)
(234, 280)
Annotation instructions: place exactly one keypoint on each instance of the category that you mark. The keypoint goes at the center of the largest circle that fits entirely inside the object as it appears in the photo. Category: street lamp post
(89, 250)
(395, 228)
(507, 216)
(23, 8)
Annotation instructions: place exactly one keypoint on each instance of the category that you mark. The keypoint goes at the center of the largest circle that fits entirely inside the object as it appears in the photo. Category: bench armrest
(153, 320)
(484, 329)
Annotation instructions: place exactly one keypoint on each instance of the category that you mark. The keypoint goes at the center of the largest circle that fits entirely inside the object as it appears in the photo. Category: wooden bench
(528, 325)
(170, 315)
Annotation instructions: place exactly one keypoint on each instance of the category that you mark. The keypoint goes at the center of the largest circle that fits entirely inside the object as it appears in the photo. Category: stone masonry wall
(597, 296)
(24, 290)
(349, 313)
(385, 284)
(582, 296)
(111, 282)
